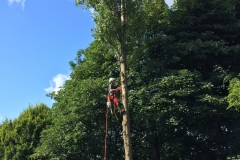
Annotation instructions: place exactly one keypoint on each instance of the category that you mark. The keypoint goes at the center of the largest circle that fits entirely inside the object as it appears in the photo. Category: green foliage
(182, 69)
(182, 63)
(179, 84)
(233, 97)
(19, 138)
(77, 130)
(109, 27)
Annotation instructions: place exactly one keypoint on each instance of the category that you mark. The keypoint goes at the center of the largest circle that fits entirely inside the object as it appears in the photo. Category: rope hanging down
(115, 111)
(106, 130)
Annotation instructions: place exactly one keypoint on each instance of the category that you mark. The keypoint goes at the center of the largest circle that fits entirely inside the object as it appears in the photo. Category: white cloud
(22, 2)
(57, 82)
(169, 2)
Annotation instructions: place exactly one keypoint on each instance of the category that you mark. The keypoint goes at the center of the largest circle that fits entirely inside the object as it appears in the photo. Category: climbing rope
(115, 111)
(106, 130)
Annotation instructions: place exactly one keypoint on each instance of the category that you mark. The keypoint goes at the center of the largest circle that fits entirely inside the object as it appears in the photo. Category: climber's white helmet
(111, 79)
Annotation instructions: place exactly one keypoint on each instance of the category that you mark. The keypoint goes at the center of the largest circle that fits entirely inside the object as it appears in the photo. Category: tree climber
(111, 94)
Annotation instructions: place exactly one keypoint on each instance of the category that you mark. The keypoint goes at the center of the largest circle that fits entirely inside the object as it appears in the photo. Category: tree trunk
(126, 120)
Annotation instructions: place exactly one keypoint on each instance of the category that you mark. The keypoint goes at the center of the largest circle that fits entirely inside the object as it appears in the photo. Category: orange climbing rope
(115, 111)
(106, 130)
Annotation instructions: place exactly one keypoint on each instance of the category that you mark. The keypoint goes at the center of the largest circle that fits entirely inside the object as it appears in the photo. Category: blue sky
(37, 40)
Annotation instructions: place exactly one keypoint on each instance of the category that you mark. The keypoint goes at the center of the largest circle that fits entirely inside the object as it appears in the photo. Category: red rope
(105, 143)
(115, 111)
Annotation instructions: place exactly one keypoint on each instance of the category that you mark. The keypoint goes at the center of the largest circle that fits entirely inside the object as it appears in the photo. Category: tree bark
(126, 120)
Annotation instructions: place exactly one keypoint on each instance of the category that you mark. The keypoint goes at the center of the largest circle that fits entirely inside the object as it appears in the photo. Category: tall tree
(178, 76)
(204, 52)
(179, 90)
(19, 138)
(117, 24)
